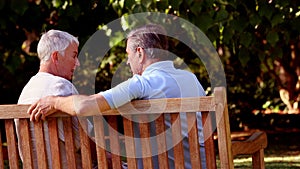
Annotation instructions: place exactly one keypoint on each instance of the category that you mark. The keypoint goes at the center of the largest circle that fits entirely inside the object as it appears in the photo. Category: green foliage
(19, 6)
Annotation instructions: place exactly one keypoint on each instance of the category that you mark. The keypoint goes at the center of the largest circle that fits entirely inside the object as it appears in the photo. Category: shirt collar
(161, 65)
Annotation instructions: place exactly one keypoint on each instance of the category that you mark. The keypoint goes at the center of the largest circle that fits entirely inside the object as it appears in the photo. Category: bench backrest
(213, 108)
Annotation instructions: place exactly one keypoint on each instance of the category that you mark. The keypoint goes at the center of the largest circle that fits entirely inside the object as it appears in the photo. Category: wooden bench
(214, 111)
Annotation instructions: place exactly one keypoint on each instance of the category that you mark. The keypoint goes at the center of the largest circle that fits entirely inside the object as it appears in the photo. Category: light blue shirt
(160, 80)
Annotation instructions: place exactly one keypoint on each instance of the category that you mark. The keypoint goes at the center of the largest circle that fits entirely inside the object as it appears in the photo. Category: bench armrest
(256, 142)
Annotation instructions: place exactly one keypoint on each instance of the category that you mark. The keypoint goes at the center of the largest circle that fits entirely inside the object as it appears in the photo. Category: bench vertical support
(258, 160)
(100, 142)
(25, 146)
(54, 143)
(114, 142)
(209, 140)
(161, 141)
(40, 145)
(70, 144)
(85, 144)
(129, 143)
(13, 156)
(193, 140)
(177, 140)
(1, 152)
(222, 119)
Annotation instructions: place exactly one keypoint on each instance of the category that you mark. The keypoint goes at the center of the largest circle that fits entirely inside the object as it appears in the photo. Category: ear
(54, 57)
(141, 54)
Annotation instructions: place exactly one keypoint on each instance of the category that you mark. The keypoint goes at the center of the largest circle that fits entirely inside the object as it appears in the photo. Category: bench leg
(258, 160)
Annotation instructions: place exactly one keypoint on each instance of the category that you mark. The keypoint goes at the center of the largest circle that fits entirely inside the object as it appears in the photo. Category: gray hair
(54, 40)
(152, 38)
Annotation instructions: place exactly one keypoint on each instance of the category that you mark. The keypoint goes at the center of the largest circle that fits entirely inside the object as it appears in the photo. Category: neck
(47, 68)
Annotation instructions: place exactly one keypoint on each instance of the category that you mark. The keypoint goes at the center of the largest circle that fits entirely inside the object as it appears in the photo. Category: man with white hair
(58, 54)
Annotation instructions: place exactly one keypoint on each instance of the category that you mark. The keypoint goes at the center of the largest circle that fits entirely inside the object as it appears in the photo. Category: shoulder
(63, 86)
(48, 84)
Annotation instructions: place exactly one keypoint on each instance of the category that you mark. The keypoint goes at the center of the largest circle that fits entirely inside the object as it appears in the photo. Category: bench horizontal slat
(20, 111)
(170, 105)
(152, 106)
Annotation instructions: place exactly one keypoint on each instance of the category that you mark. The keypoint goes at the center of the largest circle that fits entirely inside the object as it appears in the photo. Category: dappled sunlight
(271, 162)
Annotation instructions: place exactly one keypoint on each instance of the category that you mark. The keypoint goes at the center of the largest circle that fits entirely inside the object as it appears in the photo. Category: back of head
(152, 38)
(54, 40)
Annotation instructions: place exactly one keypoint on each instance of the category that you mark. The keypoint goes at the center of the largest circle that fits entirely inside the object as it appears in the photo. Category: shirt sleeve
(124, 92)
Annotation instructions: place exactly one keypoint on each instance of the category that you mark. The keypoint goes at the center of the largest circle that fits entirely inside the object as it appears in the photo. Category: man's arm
(72, 105)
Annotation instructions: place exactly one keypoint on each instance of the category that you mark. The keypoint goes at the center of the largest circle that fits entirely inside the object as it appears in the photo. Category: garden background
(258, 42)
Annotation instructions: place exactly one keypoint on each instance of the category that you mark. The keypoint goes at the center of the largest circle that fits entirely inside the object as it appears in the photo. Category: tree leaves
(2, 4)
(246, 39)
(277, 19)
(221, 15)
(19, 6)
(243, 56)
(146, 3)
(272, 38)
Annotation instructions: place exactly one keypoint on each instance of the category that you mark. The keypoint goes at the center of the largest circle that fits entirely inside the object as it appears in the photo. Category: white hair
(54, 40)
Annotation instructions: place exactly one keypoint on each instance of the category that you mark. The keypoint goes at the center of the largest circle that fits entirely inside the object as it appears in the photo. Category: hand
(42, 108)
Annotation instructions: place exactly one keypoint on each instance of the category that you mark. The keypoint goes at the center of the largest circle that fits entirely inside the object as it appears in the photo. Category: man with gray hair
(58, 52)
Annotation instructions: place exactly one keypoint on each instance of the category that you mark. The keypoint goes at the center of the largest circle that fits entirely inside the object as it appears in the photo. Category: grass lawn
(280, 162)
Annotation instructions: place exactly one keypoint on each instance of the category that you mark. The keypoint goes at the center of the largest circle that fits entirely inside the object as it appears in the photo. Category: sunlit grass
(280, 162)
